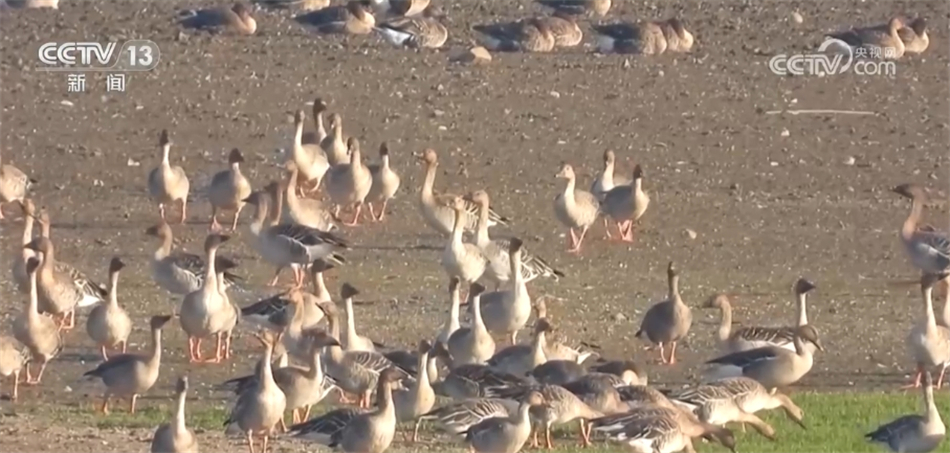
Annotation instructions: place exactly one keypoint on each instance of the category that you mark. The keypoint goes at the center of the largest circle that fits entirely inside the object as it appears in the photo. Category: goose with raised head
(772, 366)
(504, 434)
(607, 179)
(505, 312)
(61, 288)
(353, 341)
(525, 35)
(207, 311)
(319, 129)
(179, 272)
(578, 7)
(461, 259)
(452, 323)
(14, 184)
(175, 436)
(626, 204)
(131, 375)
(667, 322)
(348, 184)
(93, 292)
(236, 19)
(914, 35)
(885, 38)
(228, 190)
(645, 38)
(575, 209)
(496, 250)
(261, 407)
(18, 269)
(13, 359)
(927, 342)
(928, 249)
(308, 212)
(385, 183)
(168, 184)
(108, 324)
(426, 32)
(309, 159)
(357, 431)
(414, 402)
(37, 332)
(752, 337)
(914, 433)
(437, 209)
(555, 348)
(353, 18)
(334, 144)
(472, 344)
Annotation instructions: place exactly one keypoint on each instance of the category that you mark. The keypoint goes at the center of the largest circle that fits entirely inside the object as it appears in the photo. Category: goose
(772, 366)
(93, 292)
(928, 250)
(308, 212)
(425, 32)
(913, 433)
(288, 244)
(14, 184)
(108, 324)
(261, 407)
(437, 209)
(528, 35)
(664, 432)
(578, 7)
(504, 434)
(305, 387)
(236, 19)
(181, 273)
(310, 160)
(278, 312)
(521, 359)
(166, 183)
(175, 436)
(303, 5)
(356, 430)
(207, 310)
(320, 131)
(645, 38)
(385, 183)
(452, 323)
(607, 179)
(228, 190)
(643, 396)
(598, 392)
(733, 399)
(928, 343)
(914, 36)
(626, 204)
(13, 359)
(335, 144)
(554, 347)
(575, 209)
(52, 4)
(348, 184)
(130, 375)
(678, 38)
(352, 340)
(461, 259)
(457, 417)
(18, 269)
(412, 403)
(471, 380)
(557, 371)
(353, 18)
(61, 287)
(668, 321)
(472, 344)
(564, 28)
(505, 312)
(496, 250)
(752, 337)
(401, 8)
(885, 38)
(37, 332)
(628, 371)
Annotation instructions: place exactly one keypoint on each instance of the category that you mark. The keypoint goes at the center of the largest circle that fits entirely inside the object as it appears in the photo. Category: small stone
(785, 133)
(626, 63)
(691, 233)
(849, 161)
(555, 94)
(620, 317)
(797, 17)
(475, 55)
(133, 163)
(66, 103)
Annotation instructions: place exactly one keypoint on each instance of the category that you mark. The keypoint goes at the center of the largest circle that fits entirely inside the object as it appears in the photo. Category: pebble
(620, 317)
(849, 161)
(691, 233)
(797, 17)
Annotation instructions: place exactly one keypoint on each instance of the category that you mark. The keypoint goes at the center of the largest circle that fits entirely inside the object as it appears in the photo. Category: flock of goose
(499, 392)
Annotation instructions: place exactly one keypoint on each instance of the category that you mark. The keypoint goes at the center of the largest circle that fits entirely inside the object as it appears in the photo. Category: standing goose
(505, 312)
(108, 324)
(929, 250)
(348, 184)
(228, 190)
(915, 36)
(504, 434)
(236, 19)
(130, 375)
(13, 359)
(357, 431)
(496, 250)
(578, 7)
(20, 277)
(175, 437)
(277, 312)
(305, 387)
(437, 209)
(646, 38)
(14, 184)
(561, 407)
(335, 144)
(885, 38)
(61, 288)
(181, 273)
(416, 32)
(626, 204)
(166, 183)
(288, 244)
(38, 332)
(472, 344)
(596, 391)
(928, 343)
(668, 321)
(353, 18)
(608, 179)
(261, 407)
(458, 416)
(93, 292)
(752, 337)
(308, 212)
(452, 323)
(352, 340)
(461, 259)
(527, 35)
(416, 401)
(320, 131)
(309, 159)
(385, 183)
(732, 399)
(772, 366)
(660, 431)
(575, 209)
(521, 359)
(207, 311)
(914, 433)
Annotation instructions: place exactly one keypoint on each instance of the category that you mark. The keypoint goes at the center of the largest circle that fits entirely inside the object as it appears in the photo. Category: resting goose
(564, 28)
(228, 190)
(353, 18)
(914, 36)
(646, 38)
(885, 38)
(181, 273)
(928, 343)
(14, 184)
(578, 7)
(772, 366)
(166, 183)
(914, 433)
(175, 437)
(108, 324)
(472, 380)
(668, 321)
(37, 332)
(528, 35)
(425, 32)
(575, 209)
(236, 19)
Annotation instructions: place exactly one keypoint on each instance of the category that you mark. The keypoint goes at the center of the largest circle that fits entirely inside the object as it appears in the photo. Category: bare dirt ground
(770, 197)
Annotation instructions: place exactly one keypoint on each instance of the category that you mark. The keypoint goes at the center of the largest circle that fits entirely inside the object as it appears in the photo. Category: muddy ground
(770, 197)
